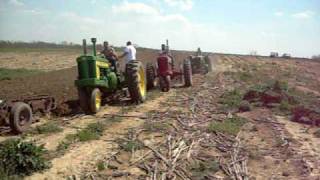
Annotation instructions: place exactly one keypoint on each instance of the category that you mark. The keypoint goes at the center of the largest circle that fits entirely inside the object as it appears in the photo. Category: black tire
(83, 100)
(209, 63)
(151, 76)
(95, 100)
(136, 81)
(20, 117)
(187, 73)
(165, 83)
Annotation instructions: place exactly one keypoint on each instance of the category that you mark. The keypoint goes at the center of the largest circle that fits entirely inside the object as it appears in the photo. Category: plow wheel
(136, 81)
(151, 76)
(165, 83)
(20, 117)
(95, 100)
(187, 73)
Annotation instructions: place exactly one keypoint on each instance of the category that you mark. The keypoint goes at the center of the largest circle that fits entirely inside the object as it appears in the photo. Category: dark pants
(113, 62)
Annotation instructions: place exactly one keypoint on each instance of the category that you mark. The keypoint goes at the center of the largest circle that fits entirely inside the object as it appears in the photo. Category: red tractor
(165, 71)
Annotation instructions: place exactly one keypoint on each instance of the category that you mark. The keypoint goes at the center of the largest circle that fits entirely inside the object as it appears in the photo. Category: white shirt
(131, 53)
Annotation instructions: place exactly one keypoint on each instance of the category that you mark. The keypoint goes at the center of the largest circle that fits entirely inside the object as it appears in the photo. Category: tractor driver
(165, 51)
(199, 52)
(110, 54)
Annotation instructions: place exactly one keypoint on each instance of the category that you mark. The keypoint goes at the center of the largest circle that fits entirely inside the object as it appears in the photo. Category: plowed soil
(58, 82)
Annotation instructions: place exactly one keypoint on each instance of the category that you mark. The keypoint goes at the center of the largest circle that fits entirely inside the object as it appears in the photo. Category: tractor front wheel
(136, 81)
(187, 72)
(83, 100)
(95, 100)
(20, 117)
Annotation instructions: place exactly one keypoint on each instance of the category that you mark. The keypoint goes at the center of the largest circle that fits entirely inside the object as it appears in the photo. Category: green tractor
(97, 80)
(200, 64)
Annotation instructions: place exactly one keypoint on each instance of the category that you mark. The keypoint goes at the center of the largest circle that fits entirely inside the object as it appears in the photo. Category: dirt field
(59, 81)
(174, 128)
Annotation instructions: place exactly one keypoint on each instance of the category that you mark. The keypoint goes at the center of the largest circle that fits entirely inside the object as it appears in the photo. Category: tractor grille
(86, 69)
(92, 69)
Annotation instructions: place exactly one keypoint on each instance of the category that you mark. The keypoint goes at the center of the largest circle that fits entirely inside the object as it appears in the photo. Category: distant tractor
(274, 54)
(200, 64)
(165, 71)
(286, 55)
(98, 80)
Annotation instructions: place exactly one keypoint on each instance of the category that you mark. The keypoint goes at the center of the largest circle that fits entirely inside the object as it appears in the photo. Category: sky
(242, 26)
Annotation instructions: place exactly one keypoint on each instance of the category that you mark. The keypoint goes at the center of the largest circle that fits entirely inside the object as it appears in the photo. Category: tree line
(37, 44)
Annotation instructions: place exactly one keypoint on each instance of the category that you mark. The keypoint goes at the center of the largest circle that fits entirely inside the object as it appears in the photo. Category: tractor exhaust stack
(94, 40)
(167, 46)
(84, 45)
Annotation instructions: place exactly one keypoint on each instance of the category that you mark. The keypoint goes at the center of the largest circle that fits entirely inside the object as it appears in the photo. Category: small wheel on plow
(187, 73)
(20, 117)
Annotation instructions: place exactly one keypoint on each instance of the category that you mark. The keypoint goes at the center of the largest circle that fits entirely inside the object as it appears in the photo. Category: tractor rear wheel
(151, 76)
(83, 100)
(95, 100)
(20, 117)
(136, 81)
(187, 72)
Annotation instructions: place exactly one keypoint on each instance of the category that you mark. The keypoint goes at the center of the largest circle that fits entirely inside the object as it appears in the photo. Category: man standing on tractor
(199, 52)
(110, 54)
(129, 52)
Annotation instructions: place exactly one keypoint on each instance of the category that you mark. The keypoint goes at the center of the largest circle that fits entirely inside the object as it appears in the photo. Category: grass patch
(101, 166)
(129, 145)
(231, 99)
(285, 107)
(245, 76)
(156, 126)
(200, 169)
(8, 74)
(48, 128)
(317, 133)
(271, 84)
(230, 126)
(92, 132)
(19, 158)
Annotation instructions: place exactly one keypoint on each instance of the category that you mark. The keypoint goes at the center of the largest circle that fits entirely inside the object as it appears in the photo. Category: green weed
(21, 158)
(231, 99)
(129, 145)
(48, 128)
(200, 169)
(229, 126)
(156, 126)
(101, 166)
